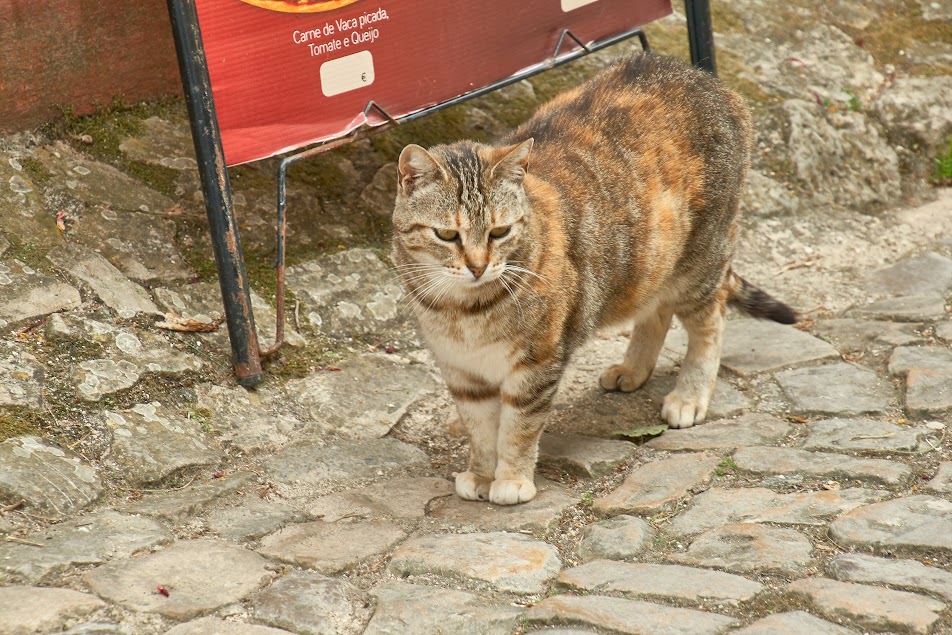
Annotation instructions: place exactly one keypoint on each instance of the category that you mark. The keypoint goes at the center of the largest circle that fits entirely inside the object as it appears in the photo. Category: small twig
(72, 446)
(297, 315)
(887, 435)
(24, 542)
(12, 506)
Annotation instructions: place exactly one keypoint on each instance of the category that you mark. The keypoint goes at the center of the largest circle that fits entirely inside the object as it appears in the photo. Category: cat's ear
(512, 163)
(417, 166)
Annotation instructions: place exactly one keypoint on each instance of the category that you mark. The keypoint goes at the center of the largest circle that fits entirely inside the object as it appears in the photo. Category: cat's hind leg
(687, 404)
(647, 338)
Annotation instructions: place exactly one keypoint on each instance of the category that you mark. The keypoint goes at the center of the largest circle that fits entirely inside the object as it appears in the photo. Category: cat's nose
(476, 269)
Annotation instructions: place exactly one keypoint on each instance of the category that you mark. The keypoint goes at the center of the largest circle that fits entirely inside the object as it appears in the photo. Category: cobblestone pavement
(142, 491)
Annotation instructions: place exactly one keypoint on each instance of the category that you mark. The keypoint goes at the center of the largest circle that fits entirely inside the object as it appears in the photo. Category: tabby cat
(615, 203)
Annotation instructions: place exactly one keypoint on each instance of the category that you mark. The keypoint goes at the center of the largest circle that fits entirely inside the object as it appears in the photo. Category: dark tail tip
(762, 305)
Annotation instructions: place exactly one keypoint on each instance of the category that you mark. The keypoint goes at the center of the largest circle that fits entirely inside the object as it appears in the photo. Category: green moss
(942, 171)
(158, 177)
(897, 30)
(13, 425)
(38, 172)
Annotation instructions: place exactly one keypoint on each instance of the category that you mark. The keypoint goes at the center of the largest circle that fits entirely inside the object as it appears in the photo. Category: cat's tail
(756, 302)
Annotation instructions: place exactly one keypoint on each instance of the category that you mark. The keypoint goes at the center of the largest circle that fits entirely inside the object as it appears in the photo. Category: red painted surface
(271, 71)
(79, 54)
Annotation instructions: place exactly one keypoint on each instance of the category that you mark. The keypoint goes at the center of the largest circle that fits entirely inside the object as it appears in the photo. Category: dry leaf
(174, 322)
(61, 220)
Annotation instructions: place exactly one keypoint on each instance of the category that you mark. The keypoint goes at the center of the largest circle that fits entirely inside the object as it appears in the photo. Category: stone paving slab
(26, 293)
(866, 435)
(395, 498)
(725, 434)
(851, 334)
(332, 547)
(919, 522)
(151, 444)
(751, 548)
(241, 420)
(251, 518)
(913, 308)
(942, 481)
(928, 274)
(22, 379)
(793, 462)
(659, 581)
(869, 607)
(908, 575)
(42, 610)
(364, 399)
(200, 576)
(928, 392)
(658, 484)
(309, 603)
(838, 389)
(726, 401)
(794, 623)
(756, 346)
(908, 358)
(218, 626)
(538, 516)
(87, 540)
(412, 608)
(46, 477)
(583, 455)
(177, 505)
(502, 561)
(619, 538)
(628, 617)
(717, 507)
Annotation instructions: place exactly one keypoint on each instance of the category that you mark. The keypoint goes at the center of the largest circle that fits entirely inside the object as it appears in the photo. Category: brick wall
(77, 54)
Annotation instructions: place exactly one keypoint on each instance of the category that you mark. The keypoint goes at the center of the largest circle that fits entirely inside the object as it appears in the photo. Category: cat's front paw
(620, 377)
(683, 412)
(472, 487)
(511, 492)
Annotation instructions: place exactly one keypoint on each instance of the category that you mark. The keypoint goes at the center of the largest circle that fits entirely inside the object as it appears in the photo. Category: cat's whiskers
(512, 267)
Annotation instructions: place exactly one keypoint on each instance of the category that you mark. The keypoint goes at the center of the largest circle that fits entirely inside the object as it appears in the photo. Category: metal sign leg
(700, 34)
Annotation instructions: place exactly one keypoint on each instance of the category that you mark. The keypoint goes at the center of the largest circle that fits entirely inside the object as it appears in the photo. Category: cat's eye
(449, 235)
(499, 232)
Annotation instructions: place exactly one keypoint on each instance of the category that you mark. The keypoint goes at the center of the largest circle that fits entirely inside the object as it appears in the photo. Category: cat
(614, 203)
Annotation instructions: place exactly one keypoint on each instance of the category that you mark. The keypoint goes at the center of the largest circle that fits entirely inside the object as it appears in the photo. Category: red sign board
(286, 73)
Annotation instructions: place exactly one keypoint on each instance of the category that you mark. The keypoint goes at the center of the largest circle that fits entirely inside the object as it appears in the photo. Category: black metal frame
(246, 354)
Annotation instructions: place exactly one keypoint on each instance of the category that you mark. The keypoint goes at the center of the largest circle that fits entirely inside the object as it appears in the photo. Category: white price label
(347, 73)
(569, 5)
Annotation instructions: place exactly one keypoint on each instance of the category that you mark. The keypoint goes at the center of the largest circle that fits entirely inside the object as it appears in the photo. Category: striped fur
(614, 204)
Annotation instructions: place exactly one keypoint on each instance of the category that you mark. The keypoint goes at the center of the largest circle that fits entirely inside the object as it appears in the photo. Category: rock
(200, 575)
(726, 401)
(175, 506)
(395, 498)
(347, 294)
(916, 111)
(151, 444)
(332, 547)
(928, 392)
(916, 523)
(410, 608)
(91, 539)
(765, 196)
(943, 331)
(616, 615)
(240, 420)
(590, 457)
(657, 485)
(850, 334)
(217, 626)
(793, 623)
(753, 346)
(312, 463)
(619, 538)
(116, 291)
(912, 308)
(751, 548)
(717, 507)
(501, 561)
(364, 400)
(827, 149)
(22, 378)
(252, 519)
(869, 607)
(942, 482)
(312, 604)
(659, 581)
(379, 195)
(932, 10)
(931, 358)
(928, 274)
(538, 516)
(867, 435)
(26, 294)
(905, 574)
(42, 610)
(835, 389)
(46, 477)
(161, 142)
(752, 429)
(792, 462)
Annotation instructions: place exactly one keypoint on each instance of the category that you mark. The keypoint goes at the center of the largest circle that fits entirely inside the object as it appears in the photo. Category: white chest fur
(489, 361)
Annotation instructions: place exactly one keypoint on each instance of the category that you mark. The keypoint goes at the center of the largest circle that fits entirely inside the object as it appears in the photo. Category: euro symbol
(363, 77)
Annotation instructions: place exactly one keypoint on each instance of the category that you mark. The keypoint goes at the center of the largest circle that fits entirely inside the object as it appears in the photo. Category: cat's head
(461, 215)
